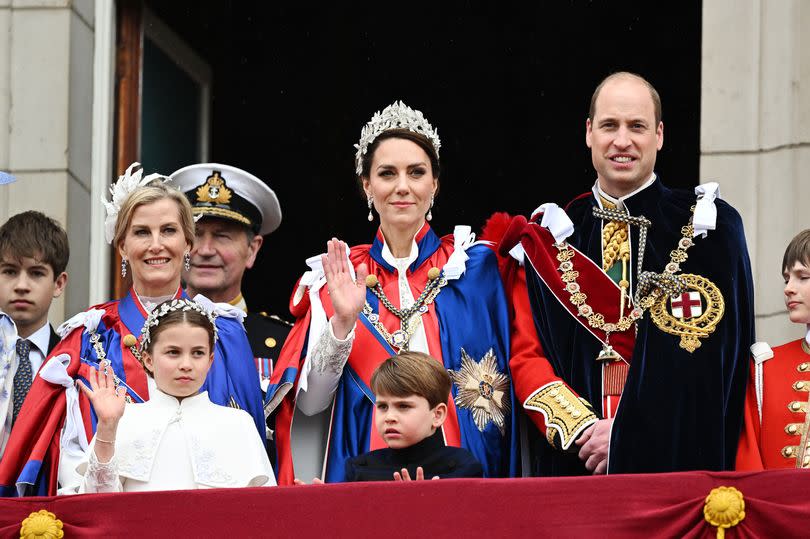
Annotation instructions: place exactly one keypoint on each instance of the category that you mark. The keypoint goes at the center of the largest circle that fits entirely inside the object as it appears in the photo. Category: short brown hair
(147, 194)
(656, 99)
(35, 235)
(798, 250)
(179, 316)
(412, 373)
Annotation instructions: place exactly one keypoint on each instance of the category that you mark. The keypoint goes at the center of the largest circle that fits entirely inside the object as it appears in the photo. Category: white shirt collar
(807, 335)
(619, 202)
(41, 338)
(401, 263)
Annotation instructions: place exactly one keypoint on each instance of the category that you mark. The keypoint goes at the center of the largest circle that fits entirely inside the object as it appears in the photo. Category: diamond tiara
(395, 116)
(165, 308)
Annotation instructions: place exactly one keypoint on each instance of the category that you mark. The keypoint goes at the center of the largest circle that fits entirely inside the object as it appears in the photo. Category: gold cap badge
(214, 190)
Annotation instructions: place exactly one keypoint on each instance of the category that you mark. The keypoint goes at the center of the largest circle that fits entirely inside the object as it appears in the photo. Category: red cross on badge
(687, 305)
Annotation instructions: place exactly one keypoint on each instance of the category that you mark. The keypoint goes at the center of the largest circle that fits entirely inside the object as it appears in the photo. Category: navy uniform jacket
(266, 334)
(679, 410)
(431, 454)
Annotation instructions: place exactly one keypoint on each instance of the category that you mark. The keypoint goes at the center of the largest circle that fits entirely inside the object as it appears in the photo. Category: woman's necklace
(409, 317)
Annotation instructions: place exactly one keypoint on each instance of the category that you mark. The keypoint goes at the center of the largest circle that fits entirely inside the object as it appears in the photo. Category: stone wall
(755, 133)
(46, 100)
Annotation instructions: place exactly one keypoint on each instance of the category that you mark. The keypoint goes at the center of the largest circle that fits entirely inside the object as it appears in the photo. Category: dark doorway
(507, 87)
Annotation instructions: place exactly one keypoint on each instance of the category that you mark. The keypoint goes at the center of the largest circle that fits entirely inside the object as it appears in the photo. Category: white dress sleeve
(328, 357)
(71, 456)
(101, 477)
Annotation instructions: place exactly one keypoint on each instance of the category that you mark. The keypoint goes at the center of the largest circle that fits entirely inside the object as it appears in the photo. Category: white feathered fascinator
(120, 190)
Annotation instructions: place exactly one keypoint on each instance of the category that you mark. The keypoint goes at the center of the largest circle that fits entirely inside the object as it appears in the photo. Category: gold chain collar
(578, 298)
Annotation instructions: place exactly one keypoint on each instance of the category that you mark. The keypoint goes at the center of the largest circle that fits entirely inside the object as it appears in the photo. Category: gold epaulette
(566, 414)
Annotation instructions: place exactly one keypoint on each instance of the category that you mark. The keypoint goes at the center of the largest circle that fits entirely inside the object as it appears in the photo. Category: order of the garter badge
(693, 314)
(483, 390)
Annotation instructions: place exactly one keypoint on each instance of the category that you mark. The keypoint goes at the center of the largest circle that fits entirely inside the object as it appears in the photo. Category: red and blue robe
(469, 314)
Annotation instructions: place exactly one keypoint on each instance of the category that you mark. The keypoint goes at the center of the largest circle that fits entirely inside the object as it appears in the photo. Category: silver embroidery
(207, 466)
(137, 461)
(331, 353)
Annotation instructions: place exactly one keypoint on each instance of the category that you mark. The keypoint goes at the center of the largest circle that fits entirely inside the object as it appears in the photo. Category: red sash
(603, 296)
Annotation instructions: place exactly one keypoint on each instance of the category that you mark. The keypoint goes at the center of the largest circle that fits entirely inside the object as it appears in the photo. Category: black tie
(22, 378)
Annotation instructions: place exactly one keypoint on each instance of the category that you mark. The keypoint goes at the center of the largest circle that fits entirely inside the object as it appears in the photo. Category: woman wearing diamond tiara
(200, 444)
(151, 225)
(412, 290)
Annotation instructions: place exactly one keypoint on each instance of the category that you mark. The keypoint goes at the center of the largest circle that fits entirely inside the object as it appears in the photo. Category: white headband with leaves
(182, 304)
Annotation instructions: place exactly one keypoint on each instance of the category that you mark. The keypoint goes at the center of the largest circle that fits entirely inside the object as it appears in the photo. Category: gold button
(803, 367)
(270, 342)
(433, 273)
(576, 414)
(795, 406)
(791, 429)
(569, 409)
(798, 386)
(553, 393)
(787, 452)
(806, 460)
(558, 399)
(130, 340)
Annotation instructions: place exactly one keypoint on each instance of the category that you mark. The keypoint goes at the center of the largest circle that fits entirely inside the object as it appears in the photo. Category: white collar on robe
(618, 202)
(399, 263)
(807, 335)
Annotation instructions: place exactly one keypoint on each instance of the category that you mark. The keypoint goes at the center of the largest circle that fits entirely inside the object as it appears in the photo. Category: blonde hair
(152, 192)
(412, 373)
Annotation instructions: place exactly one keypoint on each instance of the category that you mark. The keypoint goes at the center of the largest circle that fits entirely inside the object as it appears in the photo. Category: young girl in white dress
(178, 439)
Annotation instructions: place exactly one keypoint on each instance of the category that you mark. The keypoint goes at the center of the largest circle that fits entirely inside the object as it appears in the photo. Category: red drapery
(654, 505)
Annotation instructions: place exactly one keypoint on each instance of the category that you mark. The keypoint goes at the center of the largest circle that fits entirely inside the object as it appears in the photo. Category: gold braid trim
(566, 414)
(615, 244)
(221, 212)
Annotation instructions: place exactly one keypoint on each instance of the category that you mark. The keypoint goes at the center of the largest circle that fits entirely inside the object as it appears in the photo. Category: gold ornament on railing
(724, 508)
(42, 524)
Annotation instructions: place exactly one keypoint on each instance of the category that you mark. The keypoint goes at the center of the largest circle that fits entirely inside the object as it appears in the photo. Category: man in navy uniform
(236, 211)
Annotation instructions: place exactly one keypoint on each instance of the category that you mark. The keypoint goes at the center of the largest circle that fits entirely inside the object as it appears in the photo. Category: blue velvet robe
(679, 410)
